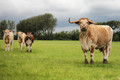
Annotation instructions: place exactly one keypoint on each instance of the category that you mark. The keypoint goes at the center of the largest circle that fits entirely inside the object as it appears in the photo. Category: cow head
(6, 32)
(29, 34)
(83, 22)
(19, 33)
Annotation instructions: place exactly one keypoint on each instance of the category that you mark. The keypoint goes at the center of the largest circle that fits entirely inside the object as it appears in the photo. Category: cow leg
(86, 61)
(12, 45)
(21, 46)
(105, 56)
(85, 54)
(23, 43)
(27, 47)
(5, 47)
(9, 47)
(91, 54)
(30, 47)
(108, 50)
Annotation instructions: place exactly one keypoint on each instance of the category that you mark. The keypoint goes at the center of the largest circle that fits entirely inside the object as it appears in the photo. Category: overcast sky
(96, 10)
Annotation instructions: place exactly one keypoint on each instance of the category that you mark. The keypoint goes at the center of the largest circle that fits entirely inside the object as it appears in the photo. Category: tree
(39, 25)
(113, 24)
(4, 24)
(65, 35)
(75, 34)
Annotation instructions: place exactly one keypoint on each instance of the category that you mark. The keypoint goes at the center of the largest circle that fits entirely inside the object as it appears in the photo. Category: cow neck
(84, 34)
(20, 39)
(7, 39)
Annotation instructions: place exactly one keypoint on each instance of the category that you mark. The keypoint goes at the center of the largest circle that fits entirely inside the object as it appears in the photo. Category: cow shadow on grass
(19, 51)
(98, 64)
(79, 63)
(14, 51)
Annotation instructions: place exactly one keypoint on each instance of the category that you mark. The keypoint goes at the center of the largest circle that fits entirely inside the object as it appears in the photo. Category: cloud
(97, 10)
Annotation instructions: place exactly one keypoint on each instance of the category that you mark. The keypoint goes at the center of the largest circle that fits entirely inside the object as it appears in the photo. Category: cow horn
(72, 21)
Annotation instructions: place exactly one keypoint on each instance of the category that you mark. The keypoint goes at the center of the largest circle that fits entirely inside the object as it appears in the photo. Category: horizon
(98, 11)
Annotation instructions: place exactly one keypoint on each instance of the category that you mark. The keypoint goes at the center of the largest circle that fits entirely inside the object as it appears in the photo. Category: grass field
(57, 60)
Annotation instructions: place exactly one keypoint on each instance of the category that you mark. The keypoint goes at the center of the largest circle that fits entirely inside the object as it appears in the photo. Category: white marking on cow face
(84, 24)
(28, 41)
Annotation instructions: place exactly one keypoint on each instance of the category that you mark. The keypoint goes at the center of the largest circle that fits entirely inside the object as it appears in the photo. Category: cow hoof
(105, 61)
(26, 50)
(30, 50)
(86, 62)
(91, 61)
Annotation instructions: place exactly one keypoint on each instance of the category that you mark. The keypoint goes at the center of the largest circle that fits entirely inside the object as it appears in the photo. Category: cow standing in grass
(94, 37)
(8, 38)
(29, 40)
(21, 39)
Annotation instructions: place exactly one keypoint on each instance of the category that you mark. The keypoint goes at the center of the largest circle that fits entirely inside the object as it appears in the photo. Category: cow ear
(3, 31)
(91, 22)
(77, 22)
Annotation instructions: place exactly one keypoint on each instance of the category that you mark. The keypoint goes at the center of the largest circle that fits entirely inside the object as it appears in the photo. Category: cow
(29, 39)
(8, 38)
(21, 39)
(94, 37)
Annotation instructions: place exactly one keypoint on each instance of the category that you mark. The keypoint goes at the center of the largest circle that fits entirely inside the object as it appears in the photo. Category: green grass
(57, 60)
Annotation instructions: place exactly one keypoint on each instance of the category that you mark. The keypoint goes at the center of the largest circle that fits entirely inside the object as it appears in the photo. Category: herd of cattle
(22, 38)
(91, 37)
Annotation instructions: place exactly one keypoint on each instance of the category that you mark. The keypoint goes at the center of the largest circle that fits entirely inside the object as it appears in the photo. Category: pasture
(57, 60)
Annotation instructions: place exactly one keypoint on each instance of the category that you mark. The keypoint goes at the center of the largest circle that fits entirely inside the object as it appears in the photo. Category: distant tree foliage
(113, 24)
(6, 24)
(39, 25)
(63, 35)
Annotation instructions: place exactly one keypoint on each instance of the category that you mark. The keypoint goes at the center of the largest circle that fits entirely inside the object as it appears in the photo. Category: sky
(96, 10)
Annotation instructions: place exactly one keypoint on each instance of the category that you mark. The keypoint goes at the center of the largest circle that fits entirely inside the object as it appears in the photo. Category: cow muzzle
(83, 29)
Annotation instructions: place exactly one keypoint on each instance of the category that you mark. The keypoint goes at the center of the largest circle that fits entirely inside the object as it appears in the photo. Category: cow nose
(83, 29)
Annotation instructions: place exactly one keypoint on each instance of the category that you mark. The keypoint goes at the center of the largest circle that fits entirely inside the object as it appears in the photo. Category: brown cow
(8, 39)
(94, 37)
(29, 40)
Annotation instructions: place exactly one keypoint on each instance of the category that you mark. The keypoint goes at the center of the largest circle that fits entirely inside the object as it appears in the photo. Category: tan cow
(8, 39)
(21, 39)
(94, 37)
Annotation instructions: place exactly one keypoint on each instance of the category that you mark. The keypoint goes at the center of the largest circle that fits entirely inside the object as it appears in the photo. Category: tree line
(42, 26)
(63, 35)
